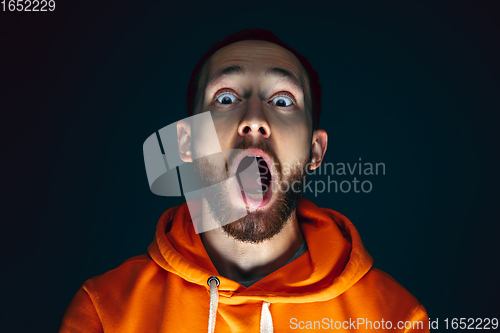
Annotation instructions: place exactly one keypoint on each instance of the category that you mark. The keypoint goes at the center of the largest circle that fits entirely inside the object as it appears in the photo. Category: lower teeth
(255, 196)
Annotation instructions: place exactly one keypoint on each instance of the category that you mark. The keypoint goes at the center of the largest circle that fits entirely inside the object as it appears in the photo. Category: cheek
(205, 138)
(227, 129)
(293, 141)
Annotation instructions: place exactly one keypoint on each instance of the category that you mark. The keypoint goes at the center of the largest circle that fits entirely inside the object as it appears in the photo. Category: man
(286, 264)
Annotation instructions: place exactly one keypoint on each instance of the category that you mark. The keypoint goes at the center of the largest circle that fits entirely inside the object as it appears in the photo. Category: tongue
(249, 176)
(250, 184)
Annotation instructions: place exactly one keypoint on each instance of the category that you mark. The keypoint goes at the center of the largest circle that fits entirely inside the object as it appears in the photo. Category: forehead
(255, 57)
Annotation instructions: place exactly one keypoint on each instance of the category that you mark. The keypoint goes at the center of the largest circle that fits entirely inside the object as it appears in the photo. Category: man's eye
(282, 101)
(226, 98)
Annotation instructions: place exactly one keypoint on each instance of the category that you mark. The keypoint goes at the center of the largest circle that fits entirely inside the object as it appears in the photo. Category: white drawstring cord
(266, 321)
(213, 282)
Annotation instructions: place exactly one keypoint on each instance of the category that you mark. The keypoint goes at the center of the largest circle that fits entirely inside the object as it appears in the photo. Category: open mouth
(255, 180)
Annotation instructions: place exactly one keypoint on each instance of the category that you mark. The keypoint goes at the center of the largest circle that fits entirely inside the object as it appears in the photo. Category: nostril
(262, 130)
(246, 129)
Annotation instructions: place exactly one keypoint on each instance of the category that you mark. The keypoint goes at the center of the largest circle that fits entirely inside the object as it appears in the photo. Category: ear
(184, 140)
(319, 143)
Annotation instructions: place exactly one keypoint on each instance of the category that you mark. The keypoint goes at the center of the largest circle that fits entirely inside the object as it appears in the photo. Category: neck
(241, 261)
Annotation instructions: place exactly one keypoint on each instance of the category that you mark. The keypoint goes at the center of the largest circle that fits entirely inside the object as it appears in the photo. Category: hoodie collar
(336, 258)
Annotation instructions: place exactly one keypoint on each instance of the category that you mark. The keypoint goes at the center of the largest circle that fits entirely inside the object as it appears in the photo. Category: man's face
(259, 98)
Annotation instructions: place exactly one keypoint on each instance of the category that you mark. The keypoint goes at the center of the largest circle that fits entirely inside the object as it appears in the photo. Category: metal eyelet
(213, 278)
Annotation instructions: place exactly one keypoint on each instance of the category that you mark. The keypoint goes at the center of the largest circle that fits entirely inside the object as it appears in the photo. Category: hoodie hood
(335, 260)
(176, 287)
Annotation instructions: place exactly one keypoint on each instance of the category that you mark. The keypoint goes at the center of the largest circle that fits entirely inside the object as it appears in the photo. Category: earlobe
(184, 140)
(319, 144)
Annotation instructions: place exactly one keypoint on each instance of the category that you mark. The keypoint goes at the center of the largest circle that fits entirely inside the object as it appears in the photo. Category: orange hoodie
(332, 286)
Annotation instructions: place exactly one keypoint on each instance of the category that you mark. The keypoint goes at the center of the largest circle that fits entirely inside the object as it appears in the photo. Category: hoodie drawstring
(213, 282)
(266, 320)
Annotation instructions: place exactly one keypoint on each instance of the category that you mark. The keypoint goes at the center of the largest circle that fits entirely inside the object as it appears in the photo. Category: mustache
(248, 143)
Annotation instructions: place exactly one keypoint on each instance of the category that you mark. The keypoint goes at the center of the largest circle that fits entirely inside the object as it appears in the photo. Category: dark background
(412, 84)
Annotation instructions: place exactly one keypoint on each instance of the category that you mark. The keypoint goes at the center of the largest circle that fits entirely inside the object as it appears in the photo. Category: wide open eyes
(226, 97)
(282, 101)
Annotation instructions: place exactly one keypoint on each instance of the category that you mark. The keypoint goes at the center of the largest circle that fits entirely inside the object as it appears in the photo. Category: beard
(262, 224)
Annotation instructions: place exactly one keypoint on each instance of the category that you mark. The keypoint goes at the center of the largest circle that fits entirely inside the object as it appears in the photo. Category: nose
(254, 124)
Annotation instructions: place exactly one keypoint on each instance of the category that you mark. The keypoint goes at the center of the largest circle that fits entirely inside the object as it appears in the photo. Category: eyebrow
(276, 71)
(238, 70)
(231, 70)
